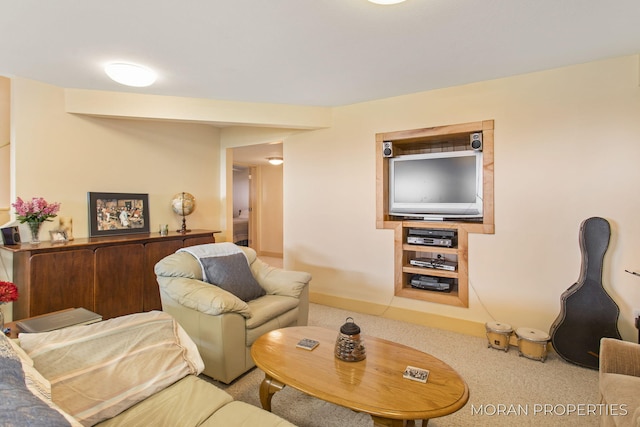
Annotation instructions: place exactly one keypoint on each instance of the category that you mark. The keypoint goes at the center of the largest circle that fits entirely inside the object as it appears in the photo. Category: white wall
(566, 149)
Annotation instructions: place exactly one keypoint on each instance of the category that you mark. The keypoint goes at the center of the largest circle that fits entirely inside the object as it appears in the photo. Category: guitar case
(588, 313)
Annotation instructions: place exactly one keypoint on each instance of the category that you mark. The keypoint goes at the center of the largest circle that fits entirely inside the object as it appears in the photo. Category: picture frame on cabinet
(118, 213)
(58, 236)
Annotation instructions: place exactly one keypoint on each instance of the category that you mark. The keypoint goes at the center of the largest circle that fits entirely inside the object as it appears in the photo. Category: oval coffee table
(374, 385)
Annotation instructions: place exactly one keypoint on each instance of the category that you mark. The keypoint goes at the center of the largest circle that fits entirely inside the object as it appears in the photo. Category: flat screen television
(436, 186)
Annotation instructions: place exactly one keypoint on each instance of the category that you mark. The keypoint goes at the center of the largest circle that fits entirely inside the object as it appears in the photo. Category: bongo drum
(532, 343)
(498, 335)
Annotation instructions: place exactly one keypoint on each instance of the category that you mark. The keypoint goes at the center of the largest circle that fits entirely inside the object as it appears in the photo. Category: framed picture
(118, 213)
(58, 236)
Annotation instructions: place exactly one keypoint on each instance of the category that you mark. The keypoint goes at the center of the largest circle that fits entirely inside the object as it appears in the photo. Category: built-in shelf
(435, 139)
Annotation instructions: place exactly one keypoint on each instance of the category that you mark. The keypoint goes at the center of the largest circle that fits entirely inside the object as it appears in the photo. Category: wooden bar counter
(111, 275)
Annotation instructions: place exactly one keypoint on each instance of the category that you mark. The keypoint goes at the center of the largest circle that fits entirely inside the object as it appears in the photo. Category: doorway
(243, 205)
(257, 198)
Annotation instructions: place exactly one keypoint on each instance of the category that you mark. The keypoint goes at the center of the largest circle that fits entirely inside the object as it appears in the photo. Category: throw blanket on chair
(210, 250)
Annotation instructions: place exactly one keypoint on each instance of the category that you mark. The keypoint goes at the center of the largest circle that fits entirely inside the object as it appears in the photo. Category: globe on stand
(183, 204)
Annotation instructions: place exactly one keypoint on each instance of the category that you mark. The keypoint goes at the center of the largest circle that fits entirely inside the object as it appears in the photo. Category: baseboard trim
(466, 327)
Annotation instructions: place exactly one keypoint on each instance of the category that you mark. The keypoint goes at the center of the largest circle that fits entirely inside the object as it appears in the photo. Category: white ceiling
(257, 154)
(307, 52)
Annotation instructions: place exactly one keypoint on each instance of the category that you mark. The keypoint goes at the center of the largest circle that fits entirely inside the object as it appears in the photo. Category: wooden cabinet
(119, 281)
(154, 252)
(428, 140)
(61, 271)
(112, 276)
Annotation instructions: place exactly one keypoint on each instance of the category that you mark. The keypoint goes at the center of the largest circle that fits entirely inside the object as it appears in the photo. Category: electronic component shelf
(441, 138)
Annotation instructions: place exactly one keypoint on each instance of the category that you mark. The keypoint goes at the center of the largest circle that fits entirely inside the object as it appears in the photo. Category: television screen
(442, 180)
(447, 184)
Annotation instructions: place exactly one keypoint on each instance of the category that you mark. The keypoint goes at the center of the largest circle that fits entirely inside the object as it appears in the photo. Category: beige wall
(62, 156)
(5, 177)
(271, 211)
(6, 270)
(566, 149)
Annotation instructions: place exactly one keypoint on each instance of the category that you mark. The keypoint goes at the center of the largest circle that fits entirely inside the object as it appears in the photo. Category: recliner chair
(223, 326)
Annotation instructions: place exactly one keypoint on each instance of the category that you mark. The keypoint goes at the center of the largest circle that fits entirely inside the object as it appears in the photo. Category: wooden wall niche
(434, 139)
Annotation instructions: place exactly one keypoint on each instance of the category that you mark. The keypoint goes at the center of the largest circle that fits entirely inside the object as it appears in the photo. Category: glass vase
(1, 320)
(35, 232)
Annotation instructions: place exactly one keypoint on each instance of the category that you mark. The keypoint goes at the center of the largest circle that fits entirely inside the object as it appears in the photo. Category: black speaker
(476, 141)
(10, 235)
(387, 149)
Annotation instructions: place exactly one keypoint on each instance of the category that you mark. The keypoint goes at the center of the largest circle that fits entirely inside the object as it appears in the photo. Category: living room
(564, 144)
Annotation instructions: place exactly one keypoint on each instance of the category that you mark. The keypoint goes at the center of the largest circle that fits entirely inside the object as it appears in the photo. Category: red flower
(8, 292)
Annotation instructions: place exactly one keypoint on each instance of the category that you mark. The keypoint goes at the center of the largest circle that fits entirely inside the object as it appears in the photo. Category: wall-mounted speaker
(10, 235)
(387, 149)
(476, 141)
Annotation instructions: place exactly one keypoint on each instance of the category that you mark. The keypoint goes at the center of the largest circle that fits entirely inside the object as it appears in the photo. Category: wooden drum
(532, 343)
(498, 335)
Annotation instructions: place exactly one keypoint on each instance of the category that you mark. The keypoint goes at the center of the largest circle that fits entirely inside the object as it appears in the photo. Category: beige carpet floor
(504, 388)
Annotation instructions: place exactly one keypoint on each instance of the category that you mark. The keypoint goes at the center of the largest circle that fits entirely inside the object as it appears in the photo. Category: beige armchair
(222, 325)
(619, 382)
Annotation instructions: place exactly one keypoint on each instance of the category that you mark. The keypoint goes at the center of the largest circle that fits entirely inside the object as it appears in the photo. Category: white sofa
(136, 370)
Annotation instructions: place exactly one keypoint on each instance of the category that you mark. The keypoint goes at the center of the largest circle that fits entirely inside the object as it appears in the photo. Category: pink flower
(35, 210)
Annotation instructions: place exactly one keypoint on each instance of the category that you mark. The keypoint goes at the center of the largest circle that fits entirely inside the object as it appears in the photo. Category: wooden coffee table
(374, 385)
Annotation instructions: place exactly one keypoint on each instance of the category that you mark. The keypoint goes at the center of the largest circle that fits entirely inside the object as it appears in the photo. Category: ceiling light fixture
(275, 160)
(386, 1)
(130, 74)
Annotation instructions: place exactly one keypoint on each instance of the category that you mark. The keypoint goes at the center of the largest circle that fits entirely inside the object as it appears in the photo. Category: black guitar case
(588, 312)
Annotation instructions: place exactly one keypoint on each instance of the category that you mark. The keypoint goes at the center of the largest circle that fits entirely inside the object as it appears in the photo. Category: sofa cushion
(240, 414)
(232, 273)
(188, 402)
(269, 307)
(99, 370)
(622, 391)
(290, 318)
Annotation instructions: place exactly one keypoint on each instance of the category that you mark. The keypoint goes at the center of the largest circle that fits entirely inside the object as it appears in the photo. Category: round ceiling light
(386, 1)
(275, 160)
(130, 74)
